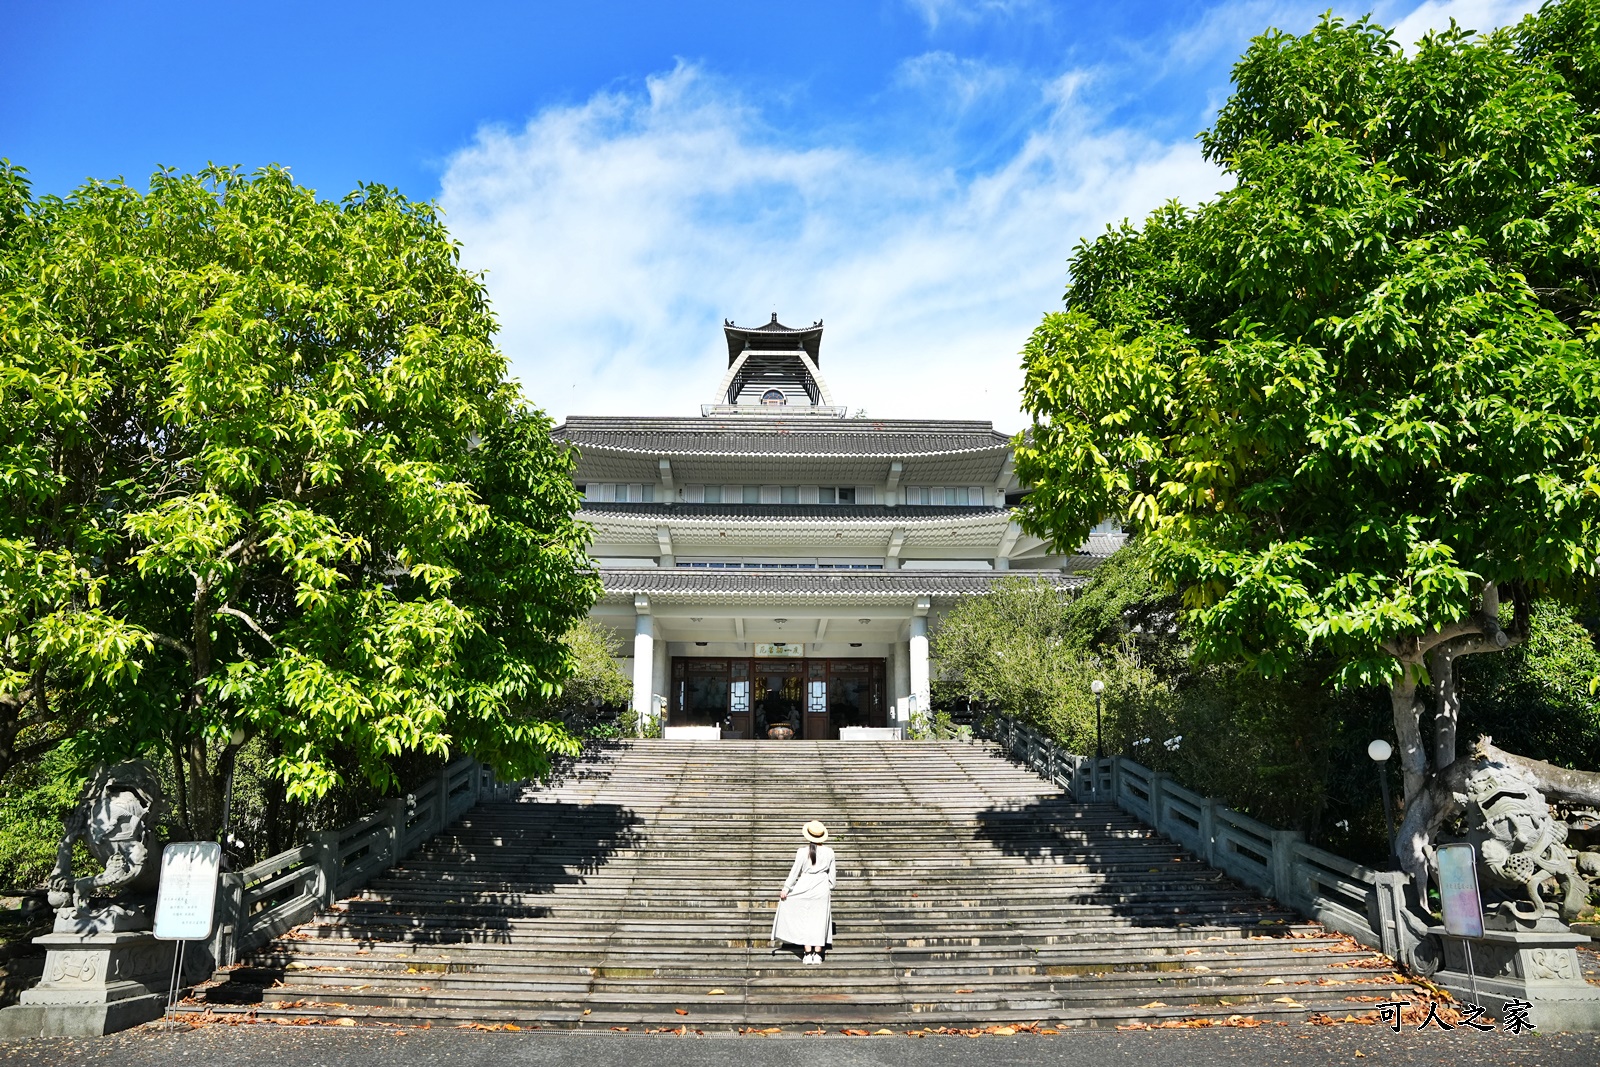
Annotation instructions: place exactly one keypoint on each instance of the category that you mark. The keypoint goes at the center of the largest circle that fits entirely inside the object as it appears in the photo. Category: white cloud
(620, 232)
(935, 12)
(954, 80)
(1482, 15)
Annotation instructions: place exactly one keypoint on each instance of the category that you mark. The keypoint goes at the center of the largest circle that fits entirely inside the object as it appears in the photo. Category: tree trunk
(205, 793)
(1556, 783)
(1446, 705)
(1408, 730)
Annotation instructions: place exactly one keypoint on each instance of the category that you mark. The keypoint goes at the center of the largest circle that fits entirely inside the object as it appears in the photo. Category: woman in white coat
(805, 904)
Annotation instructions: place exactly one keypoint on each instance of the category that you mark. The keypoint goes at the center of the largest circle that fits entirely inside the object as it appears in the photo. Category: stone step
(971, 892)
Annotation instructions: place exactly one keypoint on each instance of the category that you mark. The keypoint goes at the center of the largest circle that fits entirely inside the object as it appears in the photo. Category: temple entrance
(777, 699)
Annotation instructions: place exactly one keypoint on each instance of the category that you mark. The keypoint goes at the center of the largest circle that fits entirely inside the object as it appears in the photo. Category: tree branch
(1556, 783)
(177, 646)
(229, 609)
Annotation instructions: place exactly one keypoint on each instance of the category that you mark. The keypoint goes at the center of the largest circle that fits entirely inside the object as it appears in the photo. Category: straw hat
(814, 832)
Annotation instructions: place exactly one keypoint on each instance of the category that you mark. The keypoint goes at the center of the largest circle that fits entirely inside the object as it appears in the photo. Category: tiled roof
(767, 512)
(741, 337)
(814, 584)
(776, 436)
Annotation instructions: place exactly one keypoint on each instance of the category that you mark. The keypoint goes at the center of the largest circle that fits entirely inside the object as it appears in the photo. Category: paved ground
(262, 1046)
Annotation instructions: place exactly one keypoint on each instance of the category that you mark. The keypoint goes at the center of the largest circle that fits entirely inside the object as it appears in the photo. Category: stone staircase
(638, 891)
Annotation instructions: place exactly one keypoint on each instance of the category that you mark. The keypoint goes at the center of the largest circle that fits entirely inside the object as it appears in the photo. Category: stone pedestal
(93, 984)
(1539, 966)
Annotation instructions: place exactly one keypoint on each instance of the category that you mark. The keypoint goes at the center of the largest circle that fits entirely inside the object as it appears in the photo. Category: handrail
(267, 898)
(1367, 904)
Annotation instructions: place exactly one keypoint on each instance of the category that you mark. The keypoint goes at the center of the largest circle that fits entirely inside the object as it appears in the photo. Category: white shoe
(812, 958)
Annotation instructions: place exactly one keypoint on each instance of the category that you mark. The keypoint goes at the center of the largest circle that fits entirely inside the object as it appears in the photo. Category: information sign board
(187, 899)
(779, 649)
(1458, 890)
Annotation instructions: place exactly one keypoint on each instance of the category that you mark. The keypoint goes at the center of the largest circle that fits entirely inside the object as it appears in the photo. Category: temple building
(776, 564)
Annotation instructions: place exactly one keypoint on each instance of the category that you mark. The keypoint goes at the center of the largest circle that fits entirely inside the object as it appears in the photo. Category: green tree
(1352, 402)
(1032, 648)
(264, 474)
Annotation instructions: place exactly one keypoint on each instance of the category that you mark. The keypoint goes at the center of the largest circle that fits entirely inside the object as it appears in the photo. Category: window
(752, 494)
(635, 493)
(772, 397)
(771, 494)
(713, 494)
(916, 494)
(847, 494)
(791, 494)
(827, 495)
(960, 495)
(976, 493)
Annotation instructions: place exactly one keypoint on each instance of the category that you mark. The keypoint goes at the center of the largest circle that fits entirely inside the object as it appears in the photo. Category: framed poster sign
(187, 898)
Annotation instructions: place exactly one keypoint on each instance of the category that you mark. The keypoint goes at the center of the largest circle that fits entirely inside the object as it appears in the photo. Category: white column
(901, 675)
(644, 662)
(662, 676)
(918, 649)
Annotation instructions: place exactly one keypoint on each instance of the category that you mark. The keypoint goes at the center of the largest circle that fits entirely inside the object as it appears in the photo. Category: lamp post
(236, 741)
(1097, 687)
(1380, 751)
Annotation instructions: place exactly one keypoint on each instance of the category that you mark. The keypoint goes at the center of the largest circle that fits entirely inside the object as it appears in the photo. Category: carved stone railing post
(231, 919)
(1389, 902)
(1208, 831)
(1157, 814)
(1283, 884)
(329, 865)
(397, 816)
(441, 818)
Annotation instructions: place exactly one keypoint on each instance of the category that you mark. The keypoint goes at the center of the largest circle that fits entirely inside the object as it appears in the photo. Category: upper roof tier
(739, 448)
(774, 336)
(656, 435)
(772, 370)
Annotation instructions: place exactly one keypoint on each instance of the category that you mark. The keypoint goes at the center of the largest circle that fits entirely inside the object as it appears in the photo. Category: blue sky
(914, 172)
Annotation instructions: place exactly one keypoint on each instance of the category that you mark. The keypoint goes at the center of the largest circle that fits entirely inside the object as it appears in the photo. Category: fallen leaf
(856, 1033)
(1049, 1031)
(875, 1033)
(620, 1029)
(1003, 1031)
(1153, 1004)
(1274, 980)
(586, 1011)
(345, 1021)
(1363, 1055)
(1200, 967)
(716, 993)
(512, 1026)
(963, 991)
(680, 1011)
(1293, 1003)
(815, 1033)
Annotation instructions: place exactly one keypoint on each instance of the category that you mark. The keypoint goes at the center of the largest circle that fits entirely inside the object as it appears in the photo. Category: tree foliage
(1032, 648)
(263, 472)
(1356, 397)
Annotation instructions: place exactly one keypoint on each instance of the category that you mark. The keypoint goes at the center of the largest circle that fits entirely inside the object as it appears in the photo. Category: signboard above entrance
(781, 650)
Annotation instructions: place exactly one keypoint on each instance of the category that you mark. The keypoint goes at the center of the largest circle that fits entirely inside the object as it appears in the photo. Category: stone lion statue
(1523, 845)
(115, 818)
